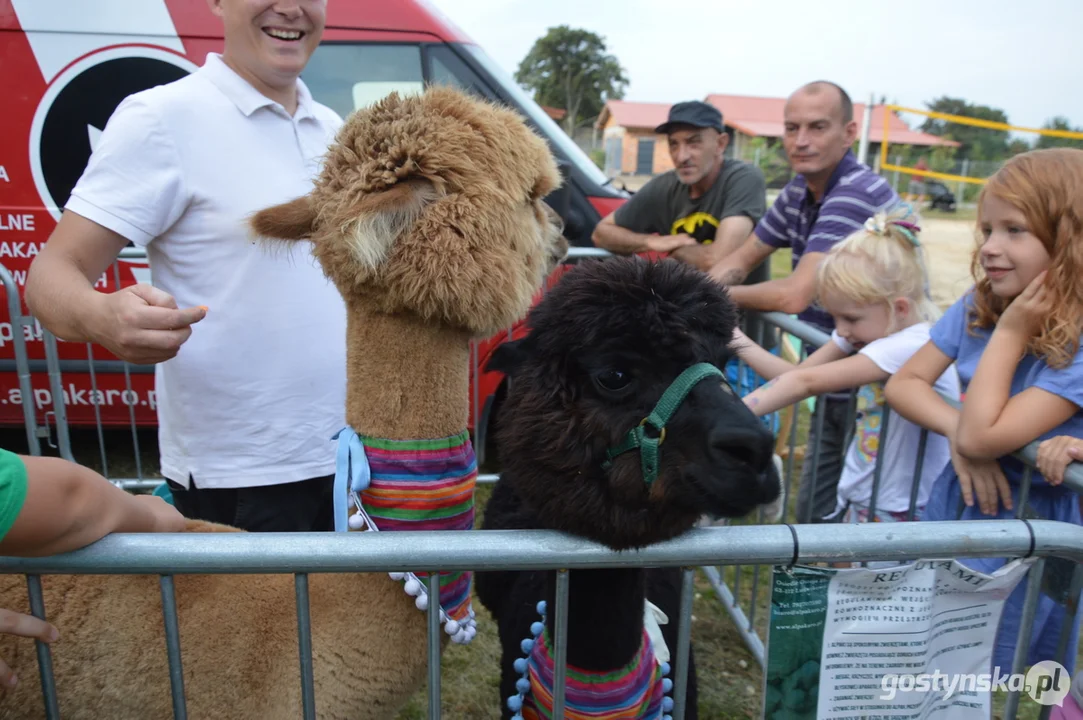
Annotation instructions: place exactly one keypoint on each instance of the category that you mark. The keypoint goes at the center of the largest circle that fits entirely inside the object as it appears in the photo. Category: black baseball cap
(695, 113)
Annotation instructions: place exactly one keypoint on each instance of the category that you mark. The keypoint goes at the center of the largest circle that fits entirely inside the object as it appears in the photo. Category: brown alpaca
(428, 217)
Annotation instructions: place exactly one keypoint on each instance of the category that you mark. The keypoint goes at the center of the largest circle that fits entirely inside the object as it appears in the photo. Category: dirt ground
(949, 244)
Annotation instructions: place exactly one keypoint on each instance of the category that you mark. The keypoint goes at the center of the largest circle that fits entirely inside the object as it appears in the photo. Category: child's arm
(1056, 454)
(69, 506)
(993, 422)
(769, 366)
(805, 382)
(911, 393)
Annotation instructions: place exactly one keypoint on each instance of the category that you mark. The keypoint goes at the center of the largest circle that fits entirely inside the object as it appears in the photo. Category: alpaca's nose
(751, 444)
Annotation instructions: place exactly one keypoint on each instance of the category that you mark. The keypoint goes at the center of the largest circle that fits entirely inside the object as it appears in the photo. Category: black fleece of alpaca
(605, 607)
(603, 347)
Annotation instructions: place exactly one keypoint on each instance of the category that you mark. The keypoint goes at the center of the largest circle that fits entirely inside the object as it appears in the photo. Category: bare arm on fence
(911, 393)
(69, 506)
(731, 233)
(616, 239)
(805, 382)
(790, 294)
(993, 422)
(140, 323)
(770, 366)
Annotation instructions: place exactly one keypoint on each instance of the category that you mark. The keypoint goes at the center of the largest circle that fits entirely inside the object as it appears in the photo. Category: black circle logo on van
(77, 106)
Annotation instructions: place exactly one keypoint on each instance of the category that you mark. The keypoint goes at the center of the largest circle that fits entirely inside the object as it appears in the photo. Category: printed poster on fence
(841, 640)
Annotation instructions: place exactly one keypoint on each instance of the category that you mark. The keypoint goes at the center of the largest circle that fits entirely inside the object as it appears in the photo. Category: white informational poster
(909, 641)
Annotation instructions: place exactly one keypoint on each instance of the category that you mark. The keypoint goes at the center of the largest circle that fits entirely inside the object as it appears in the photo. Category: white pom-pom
(396, 576)
(422, 602)
(461, 637)
(452, 627)
(412, 587)
(471, 632)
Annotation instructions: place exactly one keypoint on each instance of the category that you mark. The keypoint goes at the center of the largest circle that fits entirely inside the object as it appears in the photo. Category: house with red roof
(633, 148)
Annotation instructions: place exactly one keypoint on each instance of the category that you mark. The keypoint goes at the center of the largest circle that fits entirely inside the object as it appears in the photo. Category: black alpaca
(604, 347)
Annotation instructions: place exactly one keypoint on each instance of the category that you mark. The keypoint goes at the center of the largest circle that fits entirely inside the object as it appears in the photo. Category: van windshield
(538, 116)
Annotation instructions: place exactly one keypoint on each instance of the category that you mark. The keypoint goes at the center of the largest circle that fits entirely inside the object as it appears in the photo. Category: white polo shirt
(255, 394)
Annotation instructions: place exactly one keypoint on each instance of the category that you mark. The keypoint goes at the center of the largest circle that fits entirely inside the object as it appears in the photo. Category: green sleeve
(745, 194)
(12, 489)
(642, 211)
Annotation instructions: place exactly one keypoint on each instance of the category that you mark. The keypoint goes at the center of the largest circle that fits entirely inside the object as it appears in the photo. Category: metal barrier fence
(747, 606)
(305, 553)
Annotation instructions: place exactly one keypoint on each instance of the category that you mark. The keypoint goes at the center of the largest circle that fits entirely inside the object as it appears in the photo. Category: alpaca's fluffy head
(603, 346)
(431, 205)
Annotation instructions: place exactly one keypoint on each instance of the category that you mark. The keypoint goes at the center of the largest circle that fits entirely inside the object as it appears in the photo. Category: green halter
(648, 446)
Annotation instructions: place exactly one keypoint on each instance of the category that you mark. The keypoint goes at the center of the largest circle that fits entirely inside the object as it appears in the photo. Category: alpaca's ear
(509, 356)
(289, 221)
(372, 224)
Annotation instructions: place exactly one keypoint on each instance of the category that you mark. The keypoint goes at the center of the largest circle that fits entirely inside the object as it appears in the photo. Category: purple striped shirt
(854, 194)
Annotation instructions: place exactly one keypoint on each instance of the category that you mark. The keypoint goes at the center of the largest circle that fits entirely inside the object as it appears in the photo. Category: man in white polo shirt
(249, 342)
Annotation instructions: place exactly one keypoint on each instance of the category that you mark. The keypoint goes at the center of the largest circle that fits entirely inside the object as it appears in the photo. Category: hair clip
(909, 231)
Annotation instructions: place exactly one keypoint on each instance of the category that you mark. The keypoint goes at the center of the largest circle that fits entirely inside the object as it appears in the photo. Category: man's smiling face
(272, 39)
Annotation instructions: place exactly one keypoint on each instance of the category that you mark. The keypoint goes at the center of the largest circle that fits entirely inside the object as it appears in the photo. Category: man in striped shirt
(831, 196)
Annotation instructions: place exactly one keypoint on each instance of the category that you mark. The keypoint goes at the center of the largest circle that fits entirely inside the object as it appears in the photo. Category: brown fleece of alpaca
(422, 395)
(431, 205)
(238, 636)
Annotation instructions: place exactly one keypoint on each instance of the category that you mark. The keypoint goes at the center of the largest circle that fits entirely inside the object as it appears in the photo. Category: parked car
(69, 63)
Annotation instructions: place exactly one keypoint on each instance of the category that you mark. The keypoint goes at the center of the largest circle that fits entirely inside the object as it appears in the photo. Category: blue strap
(350, 463)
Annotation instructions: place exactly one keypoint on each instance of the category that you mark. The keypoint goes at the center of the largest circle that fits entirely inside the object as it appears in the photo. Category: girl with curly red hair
(1015, 340)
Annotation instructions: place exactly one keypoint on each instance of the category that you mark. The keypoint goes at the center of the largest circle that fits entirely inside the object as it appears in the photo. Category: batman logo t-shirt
(663, 205)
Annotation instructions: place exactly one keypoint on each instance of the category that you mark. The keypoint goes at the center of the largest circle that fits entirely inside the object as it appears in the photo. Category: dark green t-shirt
(662, 205)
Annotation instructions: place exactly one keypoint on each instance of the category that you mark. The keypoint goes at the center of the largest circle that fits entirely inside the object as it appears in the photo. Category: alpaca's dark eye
(613, 379)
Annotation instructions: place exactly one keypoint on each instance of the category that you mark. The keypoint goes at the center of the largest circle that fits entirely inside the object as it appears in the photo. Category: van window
(346, 77)
(446, 68)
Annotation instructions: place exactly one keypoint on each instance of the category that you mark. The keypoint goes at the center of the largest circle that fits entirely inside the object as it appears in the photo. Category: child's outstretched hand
(1024, 315)
(1055, 454)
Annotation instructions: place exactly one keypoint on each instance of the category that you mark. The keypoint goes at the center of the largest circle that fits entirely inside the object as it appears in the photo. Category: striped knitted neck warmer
(413, 485)
(633, 691)
(639, 690)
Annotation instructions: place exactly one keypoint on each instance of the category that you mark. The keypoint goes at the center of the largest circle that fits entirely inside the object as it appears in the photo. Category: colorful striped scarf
(417, 485)
(634, 691)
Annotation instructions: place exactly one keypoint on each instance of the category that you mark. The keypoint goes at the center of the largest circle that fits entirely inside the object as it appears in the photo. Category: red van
(67, 64)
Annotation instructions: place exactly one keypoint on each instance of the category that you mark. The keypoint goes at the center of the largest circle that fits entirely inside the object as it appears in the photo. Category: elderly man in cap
(700, 211)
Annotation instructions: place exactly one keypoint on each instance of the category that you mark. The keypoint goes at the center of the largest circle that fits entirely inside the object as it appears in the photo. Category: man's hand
(166, 518)
(669, 243)
(1056, 454)
(27, 626)
(142, 324)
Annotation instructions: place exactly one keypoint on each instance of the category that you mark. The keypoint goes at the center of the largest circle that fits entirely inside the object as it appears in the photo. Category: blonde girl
(874, 284)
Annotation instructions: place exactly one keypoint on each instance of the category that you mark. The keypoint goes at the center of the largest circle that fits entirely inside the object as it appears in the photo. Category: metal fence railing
(733, 559)
(303, 554)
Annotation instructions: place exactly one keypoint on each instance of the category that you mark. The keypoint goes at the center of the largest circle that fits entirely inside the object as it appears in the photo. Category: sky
(1024, 57)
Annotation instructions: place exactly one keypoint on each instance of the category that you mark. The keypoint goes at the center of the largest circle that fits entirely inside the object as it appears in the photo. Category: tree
(1058, 123)
(975, 143)
(571, 69)
(1017, 146)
